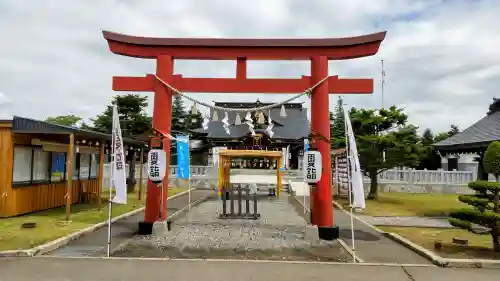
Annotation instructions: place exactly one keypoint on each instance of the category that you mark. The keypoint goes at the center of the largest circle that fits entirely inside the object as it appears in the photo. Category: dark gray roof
(480, 134)
(294, 126)
(26, 125)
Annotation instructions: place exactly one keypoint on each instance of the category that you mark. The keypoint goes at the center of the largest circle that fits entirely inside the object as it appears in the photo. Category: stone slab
(277, 235)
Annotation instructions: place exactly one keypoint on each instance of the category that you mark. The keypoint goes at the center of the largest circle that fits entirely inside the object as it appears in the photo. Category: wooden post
(140, 172)
(69, 161)
(162, 115)
(278, 174)
(101, 173)
(323, 208)
(131, 177)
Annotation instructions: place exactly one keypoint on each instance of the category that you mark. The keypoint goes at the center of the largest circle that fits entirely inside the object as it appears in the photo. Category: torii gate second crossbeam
(318, 51)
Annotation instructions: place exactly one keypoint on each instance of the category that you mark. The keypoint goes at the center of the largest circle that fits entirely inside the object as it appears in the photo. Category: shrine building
(291, 127)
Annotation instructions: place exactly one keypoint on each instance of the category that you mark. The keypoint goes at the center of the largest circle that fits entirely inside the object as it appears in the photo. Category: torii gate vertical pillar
(162, 116)
(322, 212)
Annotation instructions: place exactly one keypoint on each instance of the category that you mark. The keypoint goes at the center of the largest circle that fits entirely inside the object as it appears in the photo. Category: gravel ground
(277, 235)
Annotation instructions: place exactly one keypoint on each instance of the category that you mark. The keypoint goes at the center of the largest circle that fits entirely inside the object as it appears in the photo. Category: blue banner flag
(183, 165)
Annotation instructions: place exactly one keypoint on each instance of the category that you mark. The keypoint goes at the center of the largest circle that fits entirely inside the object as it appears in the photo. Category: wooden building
(35, 172)
(291, 126)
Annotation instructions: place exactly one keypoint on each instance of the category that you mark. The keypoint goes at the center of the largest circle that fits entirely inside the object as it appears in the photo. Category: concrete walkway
(372, 246)
(94, 244)
(84, 269)
(407, 221)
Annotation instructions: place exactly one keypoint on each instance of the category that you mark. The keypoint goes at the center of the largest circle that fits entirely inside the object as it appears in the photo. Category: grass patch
(411, 204)
(49, 226)
(480, 246)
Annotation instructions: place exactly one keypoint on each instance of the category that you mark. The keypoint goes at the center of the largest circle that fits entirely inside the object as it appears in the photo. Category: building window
(58, 167)
(34, 165)
(76, 166)
(41, 165)
(94, 165)
(23, 163)
(84, 166)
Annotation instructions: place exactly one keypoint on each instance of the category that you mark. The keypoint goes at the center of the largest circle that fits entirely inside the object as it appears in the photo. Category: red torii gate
(318, 51)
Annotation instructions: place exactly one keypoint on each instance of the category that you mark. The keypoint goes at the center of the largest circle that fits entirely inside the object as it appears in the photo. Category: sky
(441, 57)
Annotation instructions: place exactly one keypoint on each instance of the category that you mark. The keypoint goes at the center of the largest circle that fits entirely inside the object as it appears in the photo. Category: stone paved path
(94, 244)
(277, 235)
(372, 246)
(85, 269)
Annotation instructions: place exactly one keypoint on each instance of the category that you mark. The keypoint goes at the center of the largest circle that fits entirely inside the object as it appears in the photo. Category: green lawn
(480, 246)
(50, 223)
(411, 204)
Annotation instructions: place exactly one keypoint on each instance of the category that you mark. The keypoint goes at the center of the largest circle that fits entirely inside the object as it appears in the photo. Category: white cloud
(441, 57)
(4, 103)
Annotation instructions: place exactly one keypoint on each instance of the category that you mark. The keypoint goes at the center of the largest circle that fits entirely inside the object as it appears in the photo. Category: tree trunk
(496, 241)
(373, 185)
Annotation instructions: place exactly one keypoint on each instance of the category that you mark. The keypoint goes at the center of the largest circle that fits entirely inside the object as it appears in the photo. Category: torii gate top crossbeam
(252, 49)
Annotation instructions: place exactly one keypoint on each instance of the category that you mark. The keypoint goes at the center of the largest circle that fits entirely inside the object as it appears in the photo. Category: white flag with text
(357, 188)
(118, 165)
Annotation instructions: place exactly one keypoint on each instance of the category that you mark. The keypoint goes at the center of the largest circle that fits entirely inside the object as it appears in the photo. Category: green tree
(379, 131)
(429, 157)
(194, 121)
(451, 132)
(485, 202)
(179, 115)
(66, 120)
(491, 160)
(337, 126)
(133, 119)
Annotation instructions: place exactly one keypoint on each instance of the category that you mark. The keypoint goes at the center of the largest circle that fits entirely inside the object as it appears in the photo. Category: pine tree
(194, 121)
(179, 115)
(485, 202)
(337, 126)
(133, 118)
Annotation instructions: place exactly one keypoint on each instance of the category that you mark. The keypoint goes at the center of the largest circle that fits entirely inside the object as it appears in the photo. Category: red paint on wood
(165, 50)
(162, 114)
(323, 209)
(241, 68)
(254, 49)
(240, 85)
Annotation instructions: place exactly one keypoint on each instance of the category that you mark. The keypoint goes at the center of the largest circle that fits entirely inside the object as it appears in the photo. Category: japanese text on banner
(183, 157)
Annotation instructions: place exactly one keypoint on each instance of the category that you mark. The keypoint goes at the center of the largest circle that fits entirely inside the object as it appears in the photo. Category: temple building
(465, 150)
(290, 127)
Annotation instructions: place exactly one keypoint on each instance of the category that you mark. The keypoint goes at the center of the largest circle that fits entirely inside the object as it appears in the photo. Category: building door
(452, 164)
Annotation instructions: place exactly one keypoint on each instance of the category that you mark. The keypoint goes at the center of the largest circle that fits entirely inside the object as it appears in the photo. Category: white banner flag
(357, 188)
(119, 177)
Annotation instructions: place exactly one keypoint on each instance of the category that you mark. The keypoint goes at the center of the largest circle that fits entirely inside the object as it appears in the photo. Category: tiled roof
(26, 125)
(479, 134)
(294, 126)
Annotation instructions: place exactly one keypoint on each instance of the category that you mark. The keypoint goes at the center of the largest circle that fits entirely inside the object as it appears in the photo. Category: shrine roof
(245, 42)
(294, 126)
(477, 136)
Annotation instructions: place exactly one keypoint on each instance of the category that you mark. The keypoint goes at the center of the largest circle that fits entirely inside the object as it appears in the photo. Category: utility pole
(382, 81)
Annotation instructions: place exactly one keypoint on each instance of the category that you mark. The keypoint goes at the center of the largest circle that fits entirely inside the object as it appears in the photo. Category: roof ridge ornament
(494, 106)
